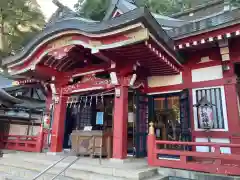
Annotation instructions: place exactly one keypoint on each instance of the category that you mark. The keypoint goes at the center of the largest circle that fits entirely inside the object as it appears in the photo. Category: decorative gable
(117, 13)
(205, 59)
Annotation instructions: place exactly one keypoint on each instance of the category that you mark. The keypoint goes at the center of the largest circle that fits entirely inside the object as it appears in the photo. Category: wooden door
(141, 102)
(186, 134)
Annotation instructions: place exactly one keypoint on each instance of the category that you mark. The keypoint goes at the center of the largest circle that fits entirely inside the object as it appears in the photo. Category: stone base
(28, 165)
(121, 161)
(55, 153)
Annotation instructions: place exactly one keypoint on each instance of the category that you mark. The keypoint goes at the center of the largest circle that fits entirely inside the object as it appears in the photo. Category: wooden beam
(90, 70)
(100, 55)
(49, 72)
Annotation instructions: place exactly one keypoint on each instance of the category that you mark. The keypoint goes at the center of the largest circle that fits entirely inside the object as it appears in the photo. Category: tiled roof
(31, 104)
(216, 21)
(141, 15)
(5, 82)
(175, 28)
(125, 6)
(8, 100)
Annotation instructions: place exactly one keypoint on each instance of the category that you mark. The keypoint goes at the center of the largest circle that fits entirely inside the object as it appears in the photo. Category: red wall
(193, 58)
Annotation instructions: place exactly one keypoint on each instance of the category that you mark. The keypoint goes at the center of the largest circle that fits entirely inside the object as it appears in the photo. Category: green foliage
(93, 9)
(19, 20)
(235, 2)
(167, 7)
(96, 9)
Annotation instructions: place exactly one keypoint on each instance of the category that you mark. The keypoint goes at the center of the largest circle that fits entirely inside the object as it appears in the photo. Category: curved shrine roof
(125, 6)
(140, 15)
(64, 19)
(7, 99)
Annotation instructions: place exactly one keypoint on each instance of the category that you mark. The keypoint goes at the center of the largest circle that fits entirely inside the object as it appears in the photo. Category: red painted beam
(49, 72)
(101, 56)
(215, 134)
(90, 70)
(218, 82)
(203, 167)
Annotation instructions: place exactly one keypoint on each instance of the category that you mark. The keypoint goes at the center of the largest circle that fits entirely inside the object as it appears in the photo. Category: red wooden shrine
(132, 49)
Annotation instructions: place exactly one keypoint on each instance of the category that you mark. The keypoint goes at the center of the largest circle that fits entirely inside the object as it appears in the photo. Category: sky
(48, 8)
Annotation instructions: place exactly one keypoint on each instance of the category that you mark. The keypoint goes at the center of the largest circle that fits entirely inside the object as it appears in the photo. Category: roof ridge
(187, 11)
(61, 13)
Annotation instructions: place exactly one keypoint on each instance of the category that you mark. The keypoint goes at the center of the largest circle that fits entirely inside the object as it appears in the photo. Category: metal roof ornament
(58, 4)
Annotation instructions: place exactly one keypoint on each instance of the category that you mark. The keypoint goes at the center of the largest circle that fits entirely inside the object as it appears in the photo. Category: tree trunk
(1, 39)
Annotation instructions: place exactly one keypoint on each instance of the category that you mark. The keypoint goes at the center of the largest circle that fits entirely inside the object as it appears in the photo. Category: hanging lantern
(205, 113)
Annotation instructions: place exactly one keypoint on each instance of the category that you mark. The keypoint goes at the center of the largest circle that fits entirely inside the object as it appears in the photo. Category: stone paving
(27, 165)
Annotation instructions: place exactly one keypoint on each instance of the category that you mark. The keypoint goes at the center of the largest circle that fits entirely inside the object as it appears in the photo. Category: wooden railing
(185, 156)
(23, 143)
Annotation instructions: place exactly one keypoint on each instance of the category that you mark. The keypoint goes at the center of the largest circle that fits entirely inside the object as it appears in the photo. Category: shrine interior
(96, 110)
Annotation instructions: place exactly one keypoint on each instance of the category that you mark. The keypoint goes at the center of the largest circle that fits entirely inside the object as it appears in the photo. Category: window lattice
(214, 97)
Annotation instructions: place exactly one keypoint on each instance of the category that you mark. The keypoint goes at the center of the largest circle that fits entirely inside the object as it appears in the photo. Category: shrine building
(140, 84)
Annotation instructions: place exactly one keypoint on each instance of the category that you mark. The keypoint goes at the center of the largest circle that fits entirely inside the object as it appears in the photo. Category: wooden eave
(121, 35)
(209, 30)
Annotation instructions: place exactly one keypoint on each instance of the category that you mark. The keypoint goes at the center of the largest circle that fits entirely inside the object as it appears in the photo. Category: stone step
(39, 165)
(30, 164)
(23, 173)
(5, 176)
(17, 173)
(157, 177)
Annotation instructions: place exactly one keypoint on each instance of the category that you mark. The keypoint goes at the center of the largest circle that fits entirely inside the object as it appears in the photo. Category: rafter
(101, 55)
(90, 70)
(44, 70)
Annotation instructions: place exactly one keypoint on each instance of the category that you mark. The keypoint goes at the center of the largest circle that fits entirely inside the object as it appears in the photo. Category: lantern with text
(205, 113)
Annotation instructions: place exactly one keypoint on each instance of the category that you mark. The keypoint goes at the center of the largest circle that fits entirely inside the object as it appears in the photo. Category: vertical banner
(99, 118)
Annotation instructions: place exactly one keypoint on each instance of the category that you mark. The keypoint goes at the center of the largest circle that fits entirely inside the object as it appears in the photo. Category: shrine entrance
(95, 110)
(91, 109)
(170, 112)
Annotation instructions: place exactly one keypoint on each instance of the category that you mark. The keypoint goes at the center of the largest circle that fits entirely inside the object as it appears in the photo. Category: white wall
(16, 129)
(156, 81)
(225, 150)
(206, 74)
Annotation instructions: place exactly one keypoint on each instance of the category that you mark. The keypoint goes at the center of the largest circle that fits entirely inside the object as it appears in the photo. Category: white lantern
(205, 113)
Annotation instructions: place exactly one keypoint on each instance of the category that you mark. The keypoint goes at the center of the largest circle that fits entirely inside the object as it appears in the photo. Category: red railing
(46, 132)
(211, 162)
(23, 143)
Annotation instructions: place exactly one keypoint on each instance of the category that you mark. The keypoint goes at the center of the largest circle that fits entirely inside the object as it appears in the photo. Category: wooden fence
(185, 156)
(23, 143)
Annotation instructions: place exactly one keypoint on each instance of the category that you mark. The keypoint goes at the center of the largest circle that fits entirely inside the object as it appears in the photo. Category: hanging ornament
(71, 103)
(75, 103)
(79, 105)
(68, 102)
(102, 99)
(85, 102)
(90, 101)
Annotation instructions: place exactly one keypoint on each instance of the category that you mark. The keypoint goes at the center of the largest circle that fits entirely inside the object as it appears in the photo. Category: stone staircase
(24, 166)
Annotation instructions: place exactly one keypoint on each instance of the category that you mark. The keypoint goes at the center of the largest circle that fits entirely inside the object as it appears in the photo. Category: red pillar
(48, 100)
(232, 108)
(120, 124)
(40, 140)
(151, 149)
(58, 124)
